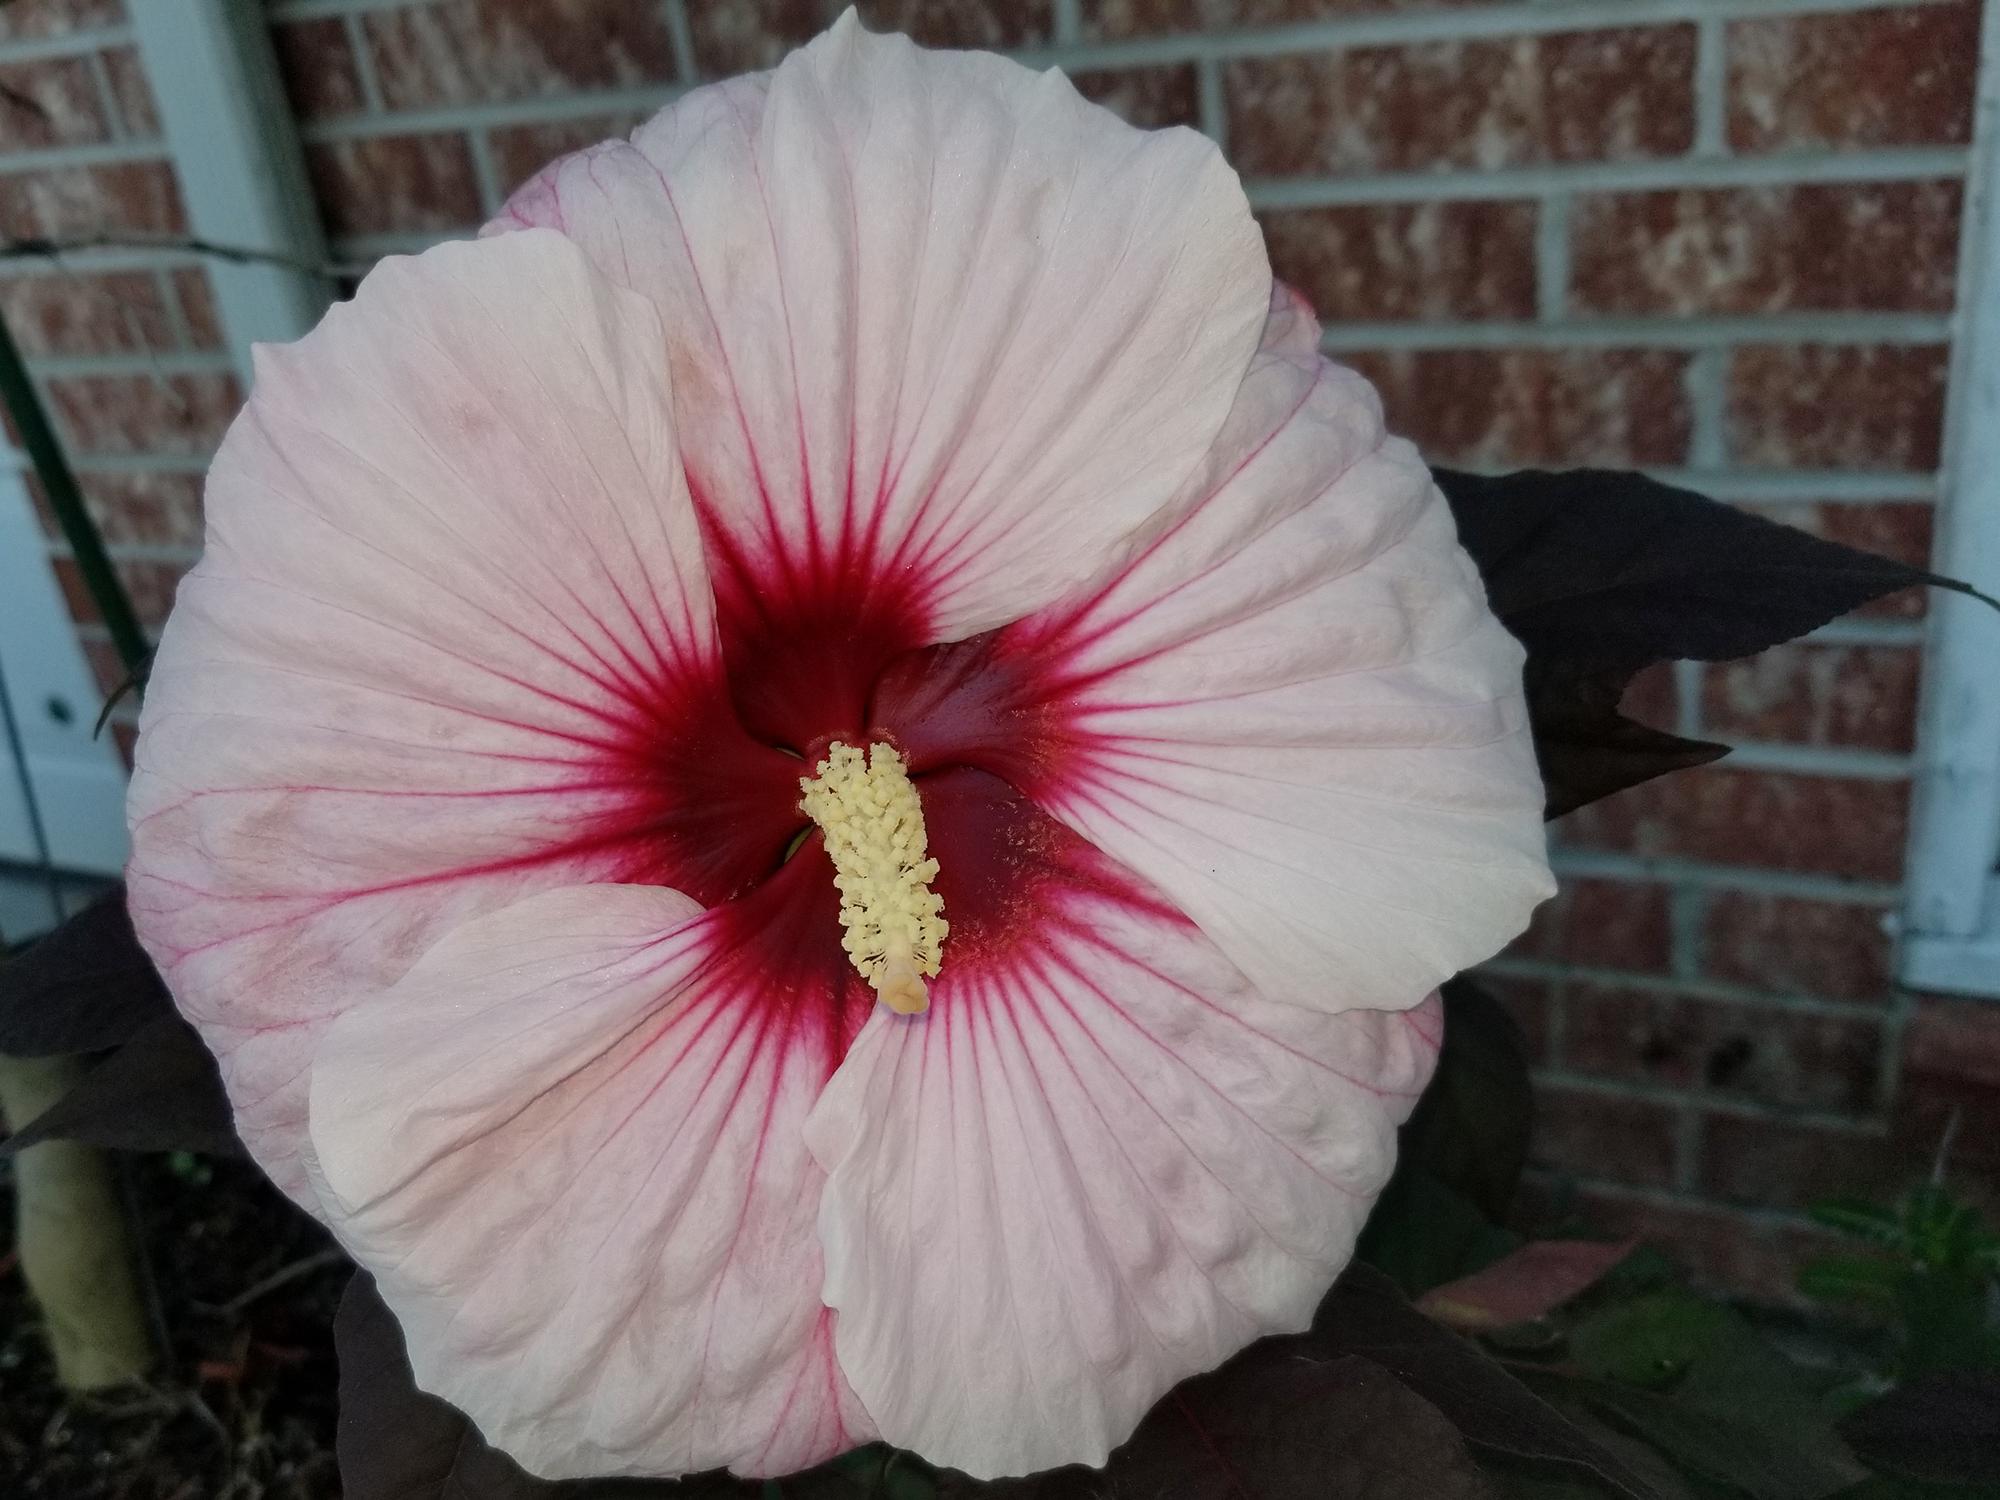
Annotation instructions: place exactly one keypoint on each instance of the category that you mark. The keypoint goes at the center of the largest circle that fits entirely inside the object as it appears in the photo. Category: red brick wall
(1716, 239)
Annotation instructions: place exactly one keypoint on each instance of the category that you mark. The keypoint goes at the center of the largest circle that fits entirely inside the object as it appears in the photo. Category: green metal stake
(17, 390)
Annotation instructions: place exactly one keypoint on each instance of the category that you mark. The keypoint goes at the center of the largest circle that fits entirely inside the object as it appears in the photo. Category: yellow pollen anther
(892, 922)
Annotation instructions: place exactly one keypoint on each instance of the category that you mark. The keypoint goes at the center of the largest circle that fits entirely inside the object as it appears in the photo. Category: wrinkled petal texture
(570, 1145)
(1289, 706)
(938, 324)
(453, 585)
(1096, 1167)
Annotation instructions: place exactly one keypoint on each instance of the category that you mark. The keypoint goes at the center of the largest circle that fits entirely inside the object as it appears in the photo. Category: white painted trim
(79, 782)
(229, 129)
(1952, 915)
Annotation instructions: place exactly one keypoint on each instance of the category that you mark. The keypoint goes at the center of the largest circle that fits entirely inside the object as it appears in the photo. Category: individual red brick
(50, 102)
(132, 92)
(1719, 1249)
(1653, 696)
(1115, 19)
(144, 413)
(1531, 1002)
(1773, 1164)
(1767, 1053)
(1838, 247)
(1896, 529)
(1619, 924)
(395, 183)
(77, 202)
(316, 60)
(43, 18)
(1811, 694)
(1835, 950)
(1836, 406)
(1898, 76)
(1386, 261)
(74, 312)
(735, 36)
(990, 24)
(488, 51)
(1494, 408)
(1577, 96)
(125, 735)
(1595, 1134)
(144, 509)
(196, 295)
(518, 152)
(1852, 827)
(1951, 1087)
(1151, 98)
(150, 586)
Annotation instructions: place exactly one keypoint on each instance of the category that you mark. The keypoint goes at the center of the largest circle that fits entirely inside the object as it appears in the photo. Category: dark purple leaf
(1942, 1428)
(1470, 1131)
(1612, 571)
(86, 986)
(1365, 1314)
(1281, 1421)
(1587, 749)
(160, 1091)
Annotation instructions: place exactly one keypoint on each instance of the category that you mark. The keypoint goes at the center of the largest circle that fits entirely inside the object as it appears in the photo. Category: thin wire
(36, 829)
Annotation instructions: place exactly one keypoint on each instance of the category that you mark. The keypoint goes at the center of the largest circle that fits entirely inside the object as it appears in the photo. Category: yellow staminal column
(893, 923)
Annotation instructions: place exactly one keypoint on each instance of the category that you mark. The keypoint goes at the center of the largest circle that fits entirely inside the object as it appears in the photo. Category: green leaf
(1868, 1279)
(1857, 1216)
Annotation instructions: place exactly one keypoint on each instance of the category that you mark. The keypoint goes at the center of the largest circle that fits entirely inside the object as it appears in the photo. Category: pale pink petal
(942, 330)
(1291, 708)
(1099, 1164)
(452, 618)
(569, 1145)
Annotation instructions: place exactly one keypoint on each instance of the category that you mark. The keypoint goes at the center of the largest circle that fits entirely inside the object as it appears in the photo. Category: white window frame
(1951, 920)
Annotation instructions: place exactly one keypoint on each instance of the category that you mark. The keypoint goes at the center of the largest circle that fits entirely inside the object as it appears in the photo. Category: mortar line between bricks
(1706, 380)
(1687, 699)
(485, 176)
(1868, 632)
(364, 65)
(1552, 259)
(1739, 1106)
(137, 552)
(1784, 169)
(554, 109)
(107, 97)
(1592, 864)
(141, 363)
(1521, 17)
(1212, 108)
(1821, 760)
(680, 37)
(1769, 1218)
(1782, 486)
(1702, 991)
(119, 153)
(64, 45)
(1066, 17)
(1687, 916)
(1709, 335)
(1711, 87)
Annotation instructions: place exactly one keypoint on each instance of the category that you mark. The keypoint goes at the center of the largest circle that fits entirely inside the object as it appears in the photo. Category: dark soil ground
(242, 1406)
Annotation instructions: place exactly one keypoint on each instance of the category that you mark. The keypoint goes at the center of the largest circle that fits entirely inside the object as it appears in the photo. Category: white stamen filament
(893, 928)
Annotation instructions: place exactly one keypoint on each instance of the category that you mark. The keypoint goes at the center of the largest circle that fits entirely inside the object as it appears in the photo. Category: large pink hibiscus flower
(895, 462)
